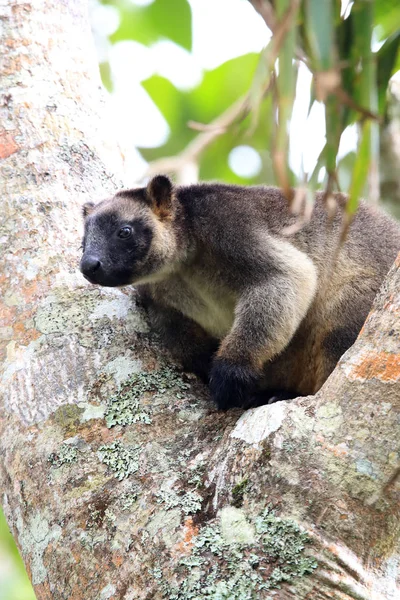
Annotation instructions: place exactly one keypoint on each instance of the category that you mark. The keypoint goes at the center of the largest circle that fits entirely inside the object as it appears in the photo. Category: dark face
(114, 248)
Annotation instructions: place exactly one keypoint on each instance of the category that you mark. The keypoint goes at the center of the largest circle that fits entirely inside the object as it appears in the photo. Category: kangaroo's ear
(159, 194)
(87, 209)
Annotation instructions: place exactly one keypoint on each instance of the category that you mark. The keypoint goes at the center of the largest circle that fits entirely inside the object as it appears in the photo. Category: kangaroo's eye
(125, 232)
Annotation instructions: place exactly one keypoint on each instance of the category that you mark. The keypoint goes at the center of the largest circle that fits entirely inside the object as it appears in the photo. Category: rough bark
(119, 479)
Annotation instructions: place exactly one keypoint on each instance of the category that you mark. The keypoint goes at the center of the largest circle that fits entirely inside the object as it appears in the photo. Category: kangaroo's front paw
(231, 384)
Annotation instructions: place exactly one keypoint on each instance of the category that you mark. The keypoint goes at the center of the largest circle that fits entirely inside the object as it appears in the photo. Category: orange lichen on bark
(30, 291)
(7, 145)
(96, 432)
(118, 560)
(189, 532)
(390, 305)
(338, 451)
(378, 365)
(25, 336)
(7, 314)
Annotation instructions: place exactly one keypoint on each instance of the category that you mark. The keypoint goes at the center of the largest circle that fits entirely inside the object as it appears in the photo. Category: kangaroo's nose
(89, 265)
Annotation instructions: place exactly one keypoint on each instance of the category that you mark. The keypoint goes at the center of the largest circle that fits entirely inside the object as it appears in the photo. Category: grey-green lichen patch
(34, 537)
(121, 306)
(330, 417)
(235, 528)
(129, 499)
(166, 524)
(365, 467)
(91, 411)
(197, 475)
(122, 367)
(125, 409)
(95, 518)
(66, 454)
(284, 541)
(122, 460)
(63, 314)
(224, 569)
(116, 307)
(183, 456)
(92, 537)
(189, 502)
(155, 458)
(126, 406)
(289, 446)
(110, 516)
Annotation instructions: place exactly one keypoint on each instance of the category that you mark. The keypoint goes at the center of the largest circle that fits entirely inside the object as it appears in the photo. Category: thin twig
(196, 126)
(283, 27)
(175, 164)
(280, 145)
(265, 9)
(238, 110)
(267, 12)
(208, 133)
(349, 101)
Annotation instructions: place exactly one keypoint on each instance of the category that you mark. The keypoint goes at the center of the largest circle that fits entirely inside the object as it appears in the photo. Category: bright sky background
(222, 29)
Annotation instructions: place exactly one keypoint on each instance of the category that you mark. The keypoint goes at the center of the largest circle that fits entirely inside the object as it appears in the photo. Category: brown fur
(278, 309)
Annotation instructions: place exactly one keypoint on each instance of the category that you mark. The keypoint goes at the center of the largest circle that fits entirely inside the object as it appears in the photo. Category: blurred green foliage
(352, 54)
(219, 89)
(14, 581)
(161, 19)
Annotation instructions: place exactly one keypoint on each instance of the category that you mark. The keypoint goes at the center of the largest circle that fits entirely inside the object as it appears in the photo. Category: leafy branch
(349, 78)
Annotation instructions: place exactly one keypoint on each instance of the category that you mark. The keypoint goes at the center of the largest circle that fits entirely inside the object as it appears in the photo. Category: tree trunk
(119, 478)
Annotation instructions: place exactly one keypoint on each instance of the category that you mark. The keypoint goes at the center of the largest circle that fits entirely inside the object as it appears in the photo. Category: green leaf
(219, 89)
(163, 19)
(261, 80)
(171, 102)
(222, 86)
(345, 170)
(361, 168)
(387, 17)
(321, 161)
(285, 87)
(387, 57)
(345, 33)
(106, 77)
(319, 28)
(333, 132)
